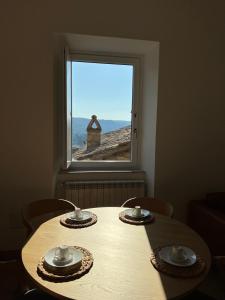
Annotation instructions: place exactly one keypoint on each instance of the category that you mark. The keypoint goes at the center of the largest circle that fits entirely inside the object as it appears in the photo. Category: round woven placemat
(123, 218)
(71, 224)
(86, 265)
(181, 272)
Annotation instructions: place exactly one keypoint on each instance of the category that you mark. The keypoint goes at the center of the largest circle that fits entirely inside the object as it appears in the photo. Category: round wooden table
(122, 269)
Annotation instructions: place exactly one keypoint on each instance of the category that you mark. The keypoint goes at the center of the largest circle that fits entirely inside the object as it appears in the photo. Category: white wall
(190, 144)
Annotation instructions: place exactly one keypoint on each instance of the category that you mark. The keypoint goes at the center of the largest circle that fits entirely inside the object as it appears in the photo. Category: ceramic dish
(74, 261)
(190, 258)
(144, 214)
(85, 216)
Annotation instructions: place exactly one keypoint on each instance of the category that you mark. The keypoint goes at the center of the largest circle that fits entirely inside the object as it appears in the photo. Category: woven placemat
(181, 272)
(71, 224)
(146, 220)
(86, 265)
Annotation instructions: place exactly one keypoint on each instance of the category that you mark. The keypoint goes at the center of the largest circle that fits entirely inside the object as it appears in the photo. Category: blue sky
(101, 89)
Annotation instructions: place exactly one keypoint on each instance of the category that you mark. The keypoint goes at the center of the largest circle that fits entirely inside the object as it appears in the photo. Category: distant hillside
(79, 126)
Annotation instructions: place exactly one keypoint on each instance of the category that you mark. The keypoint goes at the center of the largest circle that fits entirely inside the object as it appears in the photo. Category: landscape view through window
(101, 111)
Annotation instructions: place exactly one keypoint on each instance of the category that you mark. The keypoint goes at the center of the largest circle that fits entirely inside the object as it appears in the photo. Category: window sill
(101, 175)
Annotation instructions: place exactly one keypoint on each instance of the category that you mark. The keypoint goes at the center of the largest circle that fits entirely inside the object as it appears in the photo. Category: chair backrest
(152, 204)
(39, 211)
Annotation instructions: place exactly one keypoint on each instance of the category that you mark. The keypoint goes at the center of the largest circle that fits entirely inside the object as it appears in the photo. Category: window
(102, 96)
(142, 56)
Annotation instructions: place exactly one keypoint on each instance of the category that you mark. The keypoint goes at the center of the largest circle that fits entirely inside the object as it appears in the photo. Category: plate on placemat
(67, 273)
(165, 254)
(144, 214)
(88, 219)
(85, 216)
(160, 265)
(74, 261)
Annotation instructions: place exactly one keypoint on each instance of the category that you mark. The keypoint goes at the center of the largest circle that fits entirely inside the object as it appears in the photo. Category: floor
(214, 285)
(12, 278)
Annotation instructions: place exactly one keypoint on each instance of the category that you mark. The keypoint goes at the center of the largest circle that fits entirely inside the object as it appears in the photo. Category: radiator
(87, 194)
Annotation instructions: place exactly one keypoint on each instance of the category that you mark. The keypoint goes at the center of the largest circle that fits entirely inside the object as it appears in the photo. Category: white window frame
(111, 58)
(67, 111)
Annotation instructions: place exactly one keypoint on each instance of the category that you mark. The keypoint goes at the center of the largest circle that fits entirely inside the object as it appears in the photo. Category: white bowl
(130, 213)
(189, 259)
(85, 216)
(65, 266)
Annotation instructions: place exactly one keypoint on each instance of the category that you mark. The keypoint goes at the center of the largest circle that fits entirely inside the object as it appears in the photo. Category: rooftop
(114, 145)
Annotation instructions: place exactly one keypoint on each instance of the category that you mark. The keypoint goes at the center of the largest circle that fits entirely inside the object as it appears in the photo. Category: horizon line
(101, 119)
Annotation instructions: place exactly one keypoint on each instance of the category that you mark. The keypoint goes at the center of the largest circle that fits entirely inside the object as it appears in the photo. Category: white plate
(85, 216)
(166, 254)
(76, 254)
(144, 213)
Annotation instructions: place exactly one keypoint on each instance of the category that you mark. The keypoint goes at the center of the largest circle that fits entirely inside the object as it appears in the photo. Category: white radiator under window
(86, 194)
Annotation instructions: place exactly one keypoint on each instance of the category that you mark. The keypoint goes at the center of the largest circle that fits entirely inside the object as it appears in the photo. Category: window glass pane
(101, 111)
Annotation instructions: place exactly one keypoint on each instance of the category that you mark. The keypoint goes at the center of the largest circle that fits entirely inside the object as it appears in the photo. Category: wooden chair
(35, 213)
(152, 204)
(39, 211)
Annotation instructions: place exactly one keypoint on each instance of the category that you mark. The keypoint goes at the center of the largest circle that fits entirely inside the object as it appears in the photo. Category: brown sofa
(207, 217)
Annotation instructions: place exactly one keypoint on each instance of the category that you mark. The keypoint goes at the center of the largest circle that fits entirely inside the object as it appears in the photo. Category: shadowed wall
(190, 144)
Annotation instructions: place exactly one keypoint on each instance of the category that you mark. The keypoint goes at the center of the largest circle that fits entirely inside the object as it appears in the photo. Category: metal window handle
(135, 133)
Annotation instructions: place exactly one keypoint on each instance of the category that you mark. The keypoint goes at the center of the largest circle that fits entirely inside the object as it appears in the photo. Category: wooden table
(122, 269)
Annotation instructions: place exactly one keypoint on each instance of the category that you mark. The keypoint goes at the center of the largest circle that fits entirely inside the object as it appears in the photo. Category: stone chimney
(93, 134)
